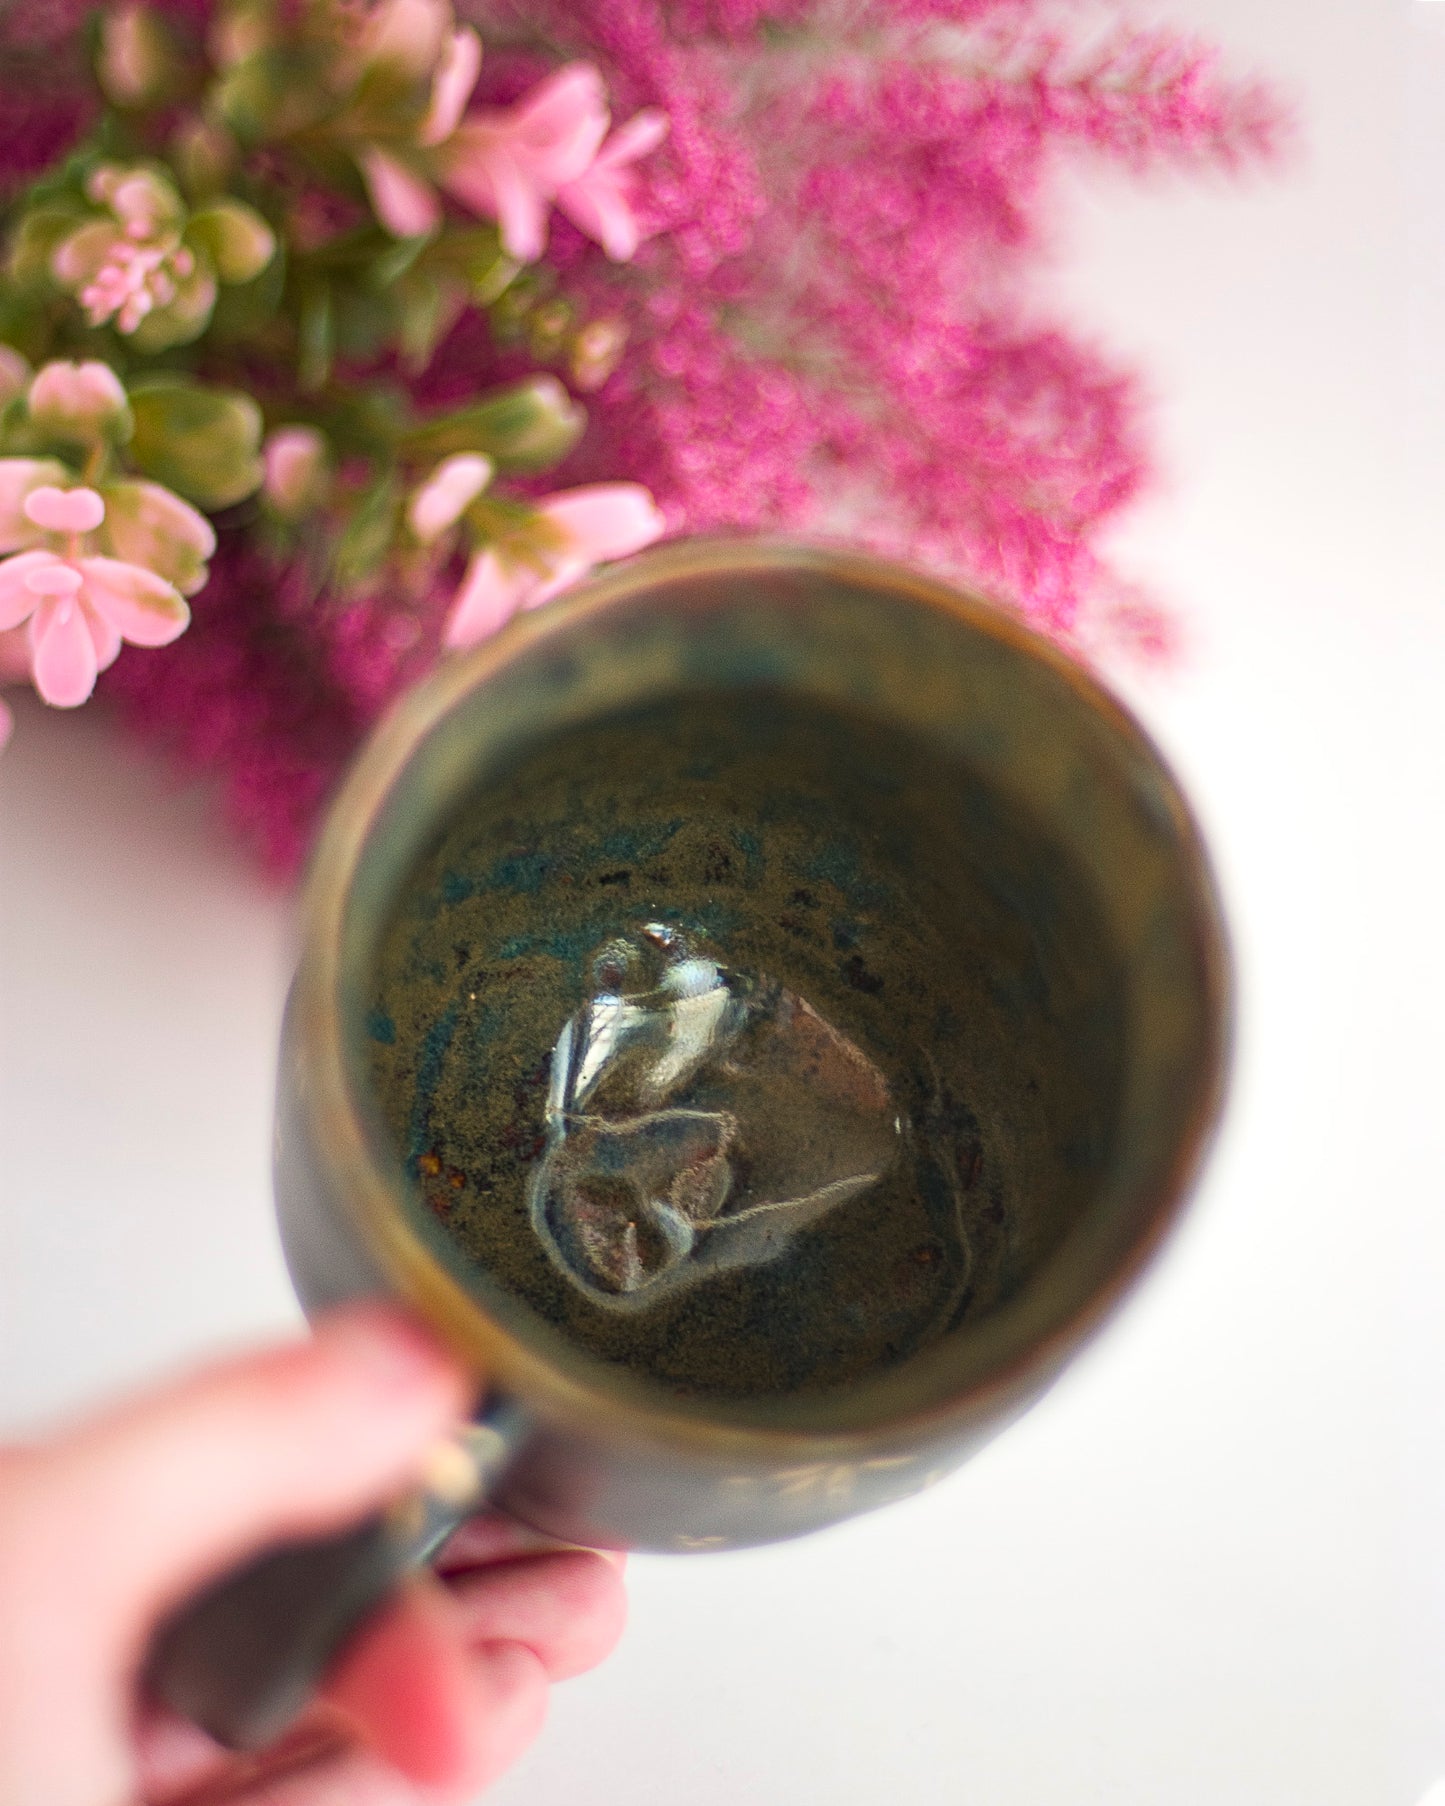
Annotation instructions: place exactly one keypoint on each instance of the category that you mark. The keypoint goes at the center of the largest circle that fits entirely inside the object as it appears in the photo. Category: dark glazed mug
(581, 1448)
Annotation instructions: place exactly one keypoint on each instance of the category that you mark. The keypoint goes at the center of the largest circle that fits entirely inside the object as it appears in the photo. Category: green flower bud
(137, 63)
(204, 443)
(235, 238)
(596, 352)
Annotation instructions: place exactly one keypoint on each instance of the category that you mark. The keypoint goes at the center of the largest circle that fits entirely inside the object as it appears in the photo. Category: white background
(1210, 1569)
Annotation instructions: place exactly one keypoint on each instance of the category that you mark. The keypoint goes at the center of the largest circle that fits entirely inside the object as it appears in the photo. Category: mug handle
(243, 1657)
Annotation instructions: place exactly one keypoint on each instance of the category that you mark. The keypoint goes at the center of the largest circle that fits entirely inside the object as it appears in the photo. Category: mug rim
(367, 1189)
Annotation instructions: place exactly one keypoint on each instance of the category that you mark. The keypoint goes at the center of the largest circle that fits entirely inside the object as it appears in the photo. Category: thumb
(142, 1506)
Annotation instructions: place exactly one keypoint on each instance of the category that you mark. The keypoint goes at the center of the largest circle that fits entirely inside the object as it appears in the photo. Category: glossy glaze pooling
(907, 1085)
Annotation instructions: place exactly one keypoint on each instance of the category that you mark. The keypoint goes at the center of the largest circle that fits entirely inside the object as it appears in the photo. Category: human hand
(106, 1528)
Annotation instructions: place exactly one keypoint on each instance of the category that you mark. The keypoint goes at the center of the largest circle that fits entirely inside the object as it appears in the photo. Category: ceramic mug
(579, 1448)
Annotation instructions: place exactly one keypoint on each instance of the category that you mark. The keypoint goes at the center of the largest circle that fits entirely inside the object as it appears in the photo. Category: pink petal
(486, 177)
(64, 510)
(452, 86)
(17, 600)
(144, 608)
(566, 569)
(62, 653)
(404, 203)
(447, 493)
(104, 637)
(473, 161)
(559, 127)
(596, 204)
(7, 723)
(642, 133)
(18, 478)
(605, 520)
(58, 579)
(489, 596)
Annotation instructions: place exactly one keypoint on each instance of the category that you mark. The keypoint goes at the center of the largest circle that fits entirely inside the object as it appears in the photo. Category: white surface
(1210, 1569)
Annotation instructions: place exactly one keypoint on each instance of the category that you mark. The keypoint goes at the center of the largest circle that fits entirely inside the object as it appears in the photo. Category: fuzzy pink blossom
(587, 526)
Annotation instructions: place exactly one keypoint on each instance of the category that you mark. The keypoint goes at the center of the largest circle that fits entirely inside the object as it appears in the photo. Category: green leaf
(315, 336)
(364, 323)
(363, 547)
(33, 243)
(526, 426)
(280, 90)
(147, 525)
(204, 443)
(244, 309)
(204, 155)
(396, 260)
(430, 307)
(235, 238)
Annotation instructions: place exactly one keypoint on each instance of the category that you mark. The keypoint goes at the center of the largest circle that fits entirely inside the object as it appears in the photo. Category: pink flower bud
(447, 493)
(295, 464)
(81, 400)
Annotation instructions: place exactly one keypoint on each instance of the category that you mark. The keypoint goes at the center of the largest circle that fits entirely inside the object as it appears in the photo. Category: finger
(175, 1775)
(568, 1609)
(290, 1441)
(492, 1536)
(172, 1755)
(509, 1699)
(175, 1761)
(318, 1771)
(405, 1685)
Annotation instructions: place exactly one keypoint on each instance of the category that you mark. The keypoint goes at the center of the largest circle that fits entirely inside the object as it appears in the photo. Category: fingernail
(393, 1351)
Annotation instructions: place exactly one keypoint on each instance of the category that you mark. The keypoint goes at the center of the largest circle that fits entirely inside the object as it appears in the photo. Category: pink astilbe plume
(835, 314)
(871, 352)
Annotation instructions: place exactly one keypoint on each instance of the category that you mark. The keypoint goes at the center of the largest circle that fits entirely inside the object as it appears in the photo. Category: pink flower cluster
(836, 325)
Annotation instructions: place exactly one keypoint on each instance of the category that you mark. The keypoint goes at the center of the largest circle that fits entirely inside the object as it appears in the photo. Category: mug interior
(887, 799)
